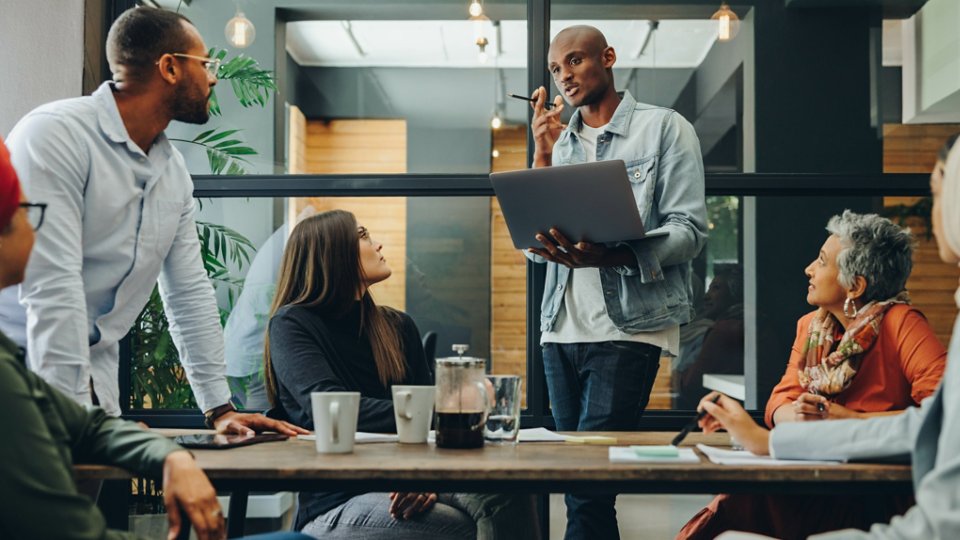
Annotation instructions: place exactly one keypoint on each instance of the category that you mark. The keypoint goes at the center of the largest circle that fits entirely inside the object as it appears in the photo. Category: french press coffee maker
(462, 400)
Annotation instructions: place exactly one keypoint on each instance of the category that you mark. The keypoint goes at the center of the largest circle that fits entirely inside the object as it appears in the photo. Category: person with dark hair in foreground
(326, 334)
(120, 217)
(48, 432)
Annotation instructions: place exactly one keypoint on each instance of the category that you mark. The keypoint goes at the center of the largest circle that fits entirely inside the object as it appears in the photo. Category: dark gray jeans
(598, 387)
(455, 516)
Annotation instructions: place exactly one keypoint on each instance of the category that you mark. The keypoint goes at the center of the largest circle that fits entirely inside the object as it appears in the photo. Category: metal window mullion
(538, 40)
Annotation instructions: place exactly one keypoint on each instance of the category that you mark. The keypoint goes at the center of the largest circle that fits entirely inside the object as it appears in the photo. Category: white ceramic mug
(413, 411)
(335, 420)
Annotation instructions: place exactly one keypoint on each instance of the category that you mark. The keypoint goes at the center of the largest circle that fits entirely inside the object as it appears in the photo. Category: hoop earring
(847, 304)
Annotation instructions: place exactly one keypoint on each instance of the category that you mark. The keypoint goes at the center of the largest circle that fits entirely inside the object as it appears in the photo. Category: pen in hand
(546, 104)
(692, 424)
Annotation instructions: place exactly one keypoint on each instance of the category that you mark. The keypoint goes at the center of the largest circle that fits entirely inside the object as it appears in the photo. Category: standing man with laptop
(120, 216)
(609, 310)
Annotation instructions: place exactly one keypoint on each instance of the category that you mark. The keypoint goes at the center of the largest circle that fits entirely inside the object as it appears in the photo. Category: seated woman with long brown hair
(863, 352)
(327, 334)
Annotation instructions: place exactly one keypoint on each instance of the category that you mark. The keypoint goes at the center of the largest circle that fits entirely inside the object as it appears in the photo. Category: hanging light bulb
(495, 154)
(496, 122)
(240, 31)
(475, 9)
(480, 36)
(482, 53)
(728, 24)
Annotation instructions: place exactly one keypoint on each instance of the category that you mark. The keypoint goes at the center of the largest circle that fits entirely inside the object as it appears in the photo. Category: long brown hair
(321, 269)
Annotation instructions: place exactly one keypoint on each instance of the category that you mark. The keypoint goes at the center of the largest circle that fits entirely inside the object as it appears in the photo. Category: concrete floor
(641, 517)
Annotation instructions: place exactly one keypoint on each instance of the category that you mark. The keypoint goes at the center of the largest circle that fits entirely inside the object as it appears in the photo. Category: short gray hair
(875, 248)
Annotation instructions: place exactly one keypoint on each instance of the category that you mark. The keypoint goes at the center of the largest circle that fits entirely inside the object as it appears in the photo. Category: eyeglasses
(364, 234)
(35, 213)
(212, 65)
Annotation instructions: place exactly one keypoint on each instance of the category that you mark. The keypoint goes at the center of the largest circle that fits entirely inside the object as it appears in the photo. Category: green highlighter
(662, 451)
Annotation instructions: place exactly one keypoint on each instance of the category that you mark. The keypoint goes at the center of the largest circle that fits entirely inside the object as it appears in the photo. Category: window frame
(434, 185)
(538, 17)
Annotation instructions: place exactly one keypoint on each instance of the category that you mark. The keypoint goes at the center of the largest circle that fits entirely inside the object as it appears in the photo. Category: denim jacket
(665, 168)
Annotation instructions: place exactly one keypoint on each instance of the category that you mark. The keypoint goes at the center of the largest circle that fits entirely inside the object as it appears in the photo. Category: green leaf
(214, 135)
(203, 135)
(214, 103)
(251, 84)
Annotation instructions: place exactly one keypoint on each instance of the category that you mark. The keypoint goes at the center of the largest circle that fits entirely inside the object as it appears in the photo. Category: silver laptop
(592, 202)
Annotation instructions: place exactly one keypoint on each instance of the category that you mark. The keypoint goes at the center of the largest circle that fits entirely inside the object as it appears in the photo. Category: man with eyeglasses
(120, 216)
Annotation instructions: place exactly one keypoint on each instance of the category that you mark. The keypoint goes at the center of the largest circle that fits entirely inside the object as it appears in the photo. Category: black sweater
(311, 352)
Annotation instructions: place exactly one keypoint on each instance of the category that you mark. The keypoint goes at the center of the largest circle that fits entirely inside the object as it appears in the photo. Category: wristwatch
(211, 416)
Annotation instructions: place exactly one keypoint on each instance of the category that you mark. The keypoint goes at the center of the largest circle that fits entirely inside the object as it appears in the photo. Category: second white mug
(413, 411)
(335, 420)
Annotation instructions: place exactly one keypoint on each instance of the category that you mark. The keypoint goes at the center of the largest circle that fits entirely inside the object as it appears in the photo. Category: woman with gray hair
(863, 352)
(928, 435)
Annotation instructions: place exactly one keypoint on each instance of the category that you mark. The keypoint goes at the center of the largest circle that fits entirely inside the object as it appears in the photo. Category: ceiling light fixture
(475, 9)
(240, 31)
(482, 54)
(496, 122)
(480, 36)
(728, 24)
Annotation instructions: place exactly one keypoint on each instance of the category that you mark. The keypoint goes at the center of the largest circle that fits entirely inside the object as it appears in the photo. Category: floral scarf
(827, 373)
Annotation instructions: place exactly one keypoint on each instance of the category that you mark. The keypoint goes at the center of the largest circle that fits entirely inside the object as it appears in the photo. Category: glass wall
(390, 93)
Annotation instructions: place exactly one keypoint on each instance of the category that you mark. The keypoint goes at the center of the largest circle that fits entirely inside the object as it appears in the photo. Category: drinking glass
(503, 421)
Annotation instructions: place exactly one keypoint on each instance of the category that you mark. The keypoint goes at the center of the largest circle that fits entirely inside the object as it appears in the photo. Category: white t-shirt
(583, 316)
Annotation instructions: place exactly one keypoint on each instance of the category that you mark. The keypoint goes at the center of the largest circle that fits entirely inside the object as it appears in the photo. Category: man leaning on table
(610, 310)
(120, 215)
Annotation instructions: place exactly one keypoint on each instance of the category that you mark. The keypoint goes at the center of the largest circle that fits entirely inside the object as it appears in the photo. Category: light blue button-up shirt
(117, 220)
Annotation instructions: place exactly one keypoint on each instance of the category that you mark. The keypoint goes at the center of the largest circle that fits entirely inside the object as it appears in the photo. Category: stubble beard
(190, 108)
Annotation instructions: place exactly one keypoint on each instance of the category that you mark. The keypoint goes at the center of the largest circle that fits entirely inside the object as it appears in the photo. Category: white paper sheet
(540, 435)
(626, 454)
(743, 457)
(526, 435)
(360, 438)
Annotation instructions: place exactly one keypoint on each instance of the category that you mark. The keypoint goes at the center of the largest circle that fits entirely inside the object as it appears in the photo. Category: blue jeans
(367, 516)
(598, 387)
(455, 516)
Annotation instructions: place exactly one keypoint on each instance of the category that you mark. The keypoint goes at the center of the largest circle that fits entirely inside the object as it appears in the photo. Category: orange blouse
(902, 367)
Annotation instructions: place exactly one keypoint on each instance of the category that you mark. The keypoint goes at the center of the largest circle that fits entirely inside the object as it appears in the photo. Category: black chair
(430, 350)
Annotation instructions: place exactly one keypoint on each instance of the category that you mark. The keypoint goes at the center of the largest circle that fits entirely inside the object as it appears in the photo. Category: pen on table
(546, 104)
(692, 424)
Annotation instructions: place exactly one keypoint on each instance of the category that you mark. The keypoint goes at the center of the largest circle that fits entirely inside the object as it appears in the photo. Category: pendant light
(480, 36)
(728, 24)
(240, 31)
(475, 9)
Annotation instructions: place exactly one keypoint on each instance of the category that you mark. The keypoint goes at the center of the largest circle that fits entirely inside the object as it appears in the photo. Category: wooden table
(295, 465)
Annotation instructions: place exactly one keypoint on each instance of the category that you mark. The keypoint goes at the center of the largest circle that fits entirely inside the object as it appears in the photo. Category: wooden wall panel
(911, 148)
(296, 141)
(508, 273)
(358, 147)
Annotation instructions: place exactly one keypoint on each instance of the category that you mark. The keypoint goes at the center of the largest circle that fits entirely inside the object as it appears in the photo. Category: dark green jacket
(44, 434)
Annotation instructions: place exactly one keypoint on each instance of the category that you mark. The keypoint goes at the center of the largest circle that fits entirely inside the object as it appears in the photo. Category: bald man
(610, 310)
